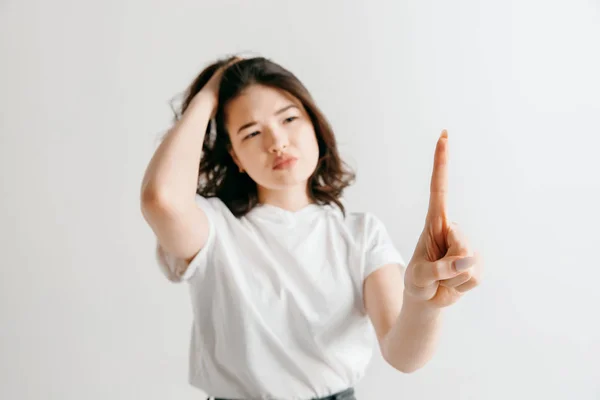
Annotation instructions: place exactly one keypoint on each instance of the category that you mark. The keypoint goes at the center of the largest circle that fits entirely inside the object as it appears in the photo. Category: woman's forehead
(258, 101)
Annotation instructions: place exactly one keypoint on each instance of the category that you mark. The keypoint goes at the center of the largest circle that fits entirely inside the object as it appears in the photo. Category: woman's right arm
(169, 186)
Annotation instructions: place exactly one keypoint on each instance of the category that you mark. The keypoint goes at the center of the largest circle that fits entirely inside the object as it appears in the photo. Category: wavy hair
(218, 174)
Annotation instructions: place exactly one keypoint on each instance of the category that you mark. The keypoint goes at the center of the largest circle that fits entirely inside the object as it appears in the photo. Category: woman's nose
(279, 142)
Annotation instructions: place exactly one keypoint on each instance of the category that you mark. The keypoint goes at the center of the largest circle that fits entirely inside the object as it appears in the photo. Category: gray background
(85, 312)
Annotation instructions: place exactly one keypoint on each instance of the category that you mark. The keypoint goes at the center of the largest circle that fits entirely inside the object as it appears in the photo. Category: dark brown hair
(219, 175)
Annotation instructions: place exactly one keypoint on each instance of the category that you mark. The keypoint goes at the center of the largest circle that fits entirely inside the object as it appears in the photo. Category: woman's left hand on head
(443, 266)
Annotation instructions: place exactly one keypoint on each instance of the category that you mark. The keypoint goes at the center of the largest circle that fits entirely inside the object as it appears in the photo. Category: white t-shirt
(277, 300)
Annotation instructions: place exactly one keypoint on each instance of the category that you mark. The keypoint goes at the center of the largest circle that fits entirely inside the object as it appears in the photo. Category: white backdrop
(85, 312)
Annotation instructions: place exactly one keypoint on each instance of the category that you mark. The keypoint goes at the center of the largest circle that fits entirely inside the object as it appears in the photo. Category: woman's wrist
(204, 100)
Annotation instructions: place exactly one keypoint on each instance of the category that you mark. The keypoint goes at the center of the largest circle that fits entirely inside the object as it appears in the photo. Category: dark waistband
(336, 396)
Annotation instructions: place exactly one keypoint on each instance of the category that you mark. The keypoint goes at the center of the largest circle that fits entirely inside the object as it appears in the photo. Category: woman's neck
(291, 198)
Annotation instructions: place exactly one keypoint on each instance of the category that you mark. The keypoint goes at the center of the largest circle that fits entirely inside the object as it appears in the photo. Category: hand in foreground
(443, 266)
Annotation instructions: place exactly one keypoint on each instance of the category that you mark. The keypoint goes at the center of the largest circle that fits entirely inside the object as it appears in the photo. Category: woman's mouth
(284, 163)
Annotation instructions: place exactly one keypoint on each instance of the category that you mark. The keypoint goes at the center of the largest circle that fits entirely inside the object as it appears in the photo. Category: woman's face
(272, 137)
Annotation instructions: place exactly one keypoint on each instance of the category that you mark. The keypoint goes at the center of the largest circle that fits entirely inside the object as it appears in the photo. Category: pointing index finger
(439, 178)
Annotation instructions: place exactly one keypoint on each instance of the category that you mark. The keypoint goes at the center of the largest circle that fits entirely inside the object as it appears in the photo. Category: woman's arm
(169, 186)
(172, 174)
(407, 331)
(168, 193)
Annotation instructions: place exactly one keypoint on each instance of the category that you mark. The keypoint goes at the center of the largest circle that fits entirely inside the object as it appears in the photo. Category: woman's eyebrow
(249, 124)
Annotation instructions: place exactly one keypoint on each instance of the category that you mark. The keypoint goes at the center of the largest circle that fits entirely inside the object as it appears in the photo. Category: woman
(288, 289)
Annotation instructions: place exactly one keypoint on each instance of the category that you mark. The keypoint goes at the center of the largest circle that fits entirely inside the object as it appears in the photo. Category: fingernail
(463, 263)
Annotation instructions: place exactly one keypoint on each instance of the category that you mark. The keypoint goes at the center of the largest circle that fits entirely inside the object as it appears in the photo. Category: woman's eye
(290, 119)
(252, 135)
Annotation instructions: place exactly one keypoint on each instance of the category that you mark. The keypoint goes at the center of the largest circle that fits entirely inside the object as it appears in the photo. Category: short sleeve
(379, 248)
(178, 270)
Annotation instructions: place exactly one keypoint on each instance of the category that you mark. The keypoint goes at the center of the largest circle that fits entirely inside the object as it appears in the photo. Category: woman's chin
(285, 182)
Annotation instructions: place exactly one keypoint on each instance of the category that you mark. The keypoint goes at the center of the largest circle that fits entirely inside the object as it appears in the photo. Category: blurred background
(84, 99)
